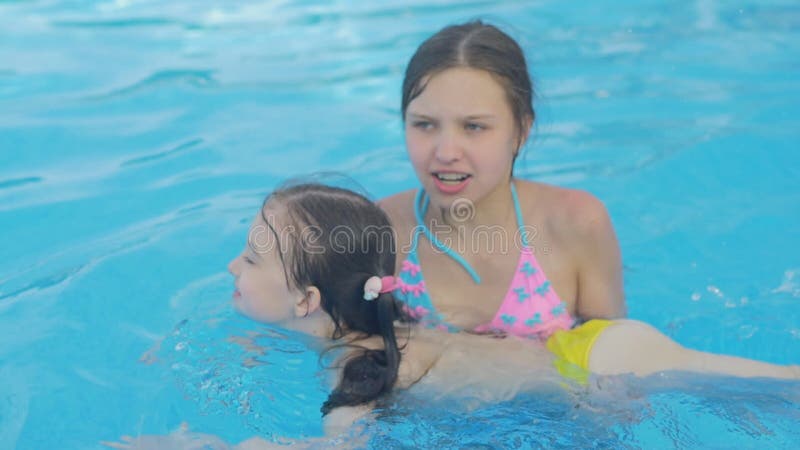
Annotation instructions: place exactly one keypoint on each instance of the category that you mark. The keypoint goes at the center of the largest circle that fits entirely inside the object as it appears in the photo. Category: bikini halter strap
(421, 202)
(518, 211)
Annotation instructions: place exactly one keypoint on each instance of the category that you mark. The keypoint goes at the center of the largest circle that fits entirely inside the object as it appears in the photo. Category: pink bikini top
(530, 307)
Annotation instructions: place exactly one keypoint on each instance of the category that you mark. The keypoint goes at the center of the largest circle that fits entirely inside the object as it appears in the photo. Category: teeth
(451, 177)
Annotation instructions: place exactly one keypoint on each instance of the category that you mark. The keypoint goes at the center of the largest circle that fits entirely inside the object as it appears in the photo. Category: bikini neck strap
(518, 211)
(421, 202)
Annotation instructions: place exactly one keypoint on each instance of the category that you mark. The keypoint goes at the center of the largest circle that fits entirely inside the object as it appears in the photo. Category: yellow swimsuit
(572, 348)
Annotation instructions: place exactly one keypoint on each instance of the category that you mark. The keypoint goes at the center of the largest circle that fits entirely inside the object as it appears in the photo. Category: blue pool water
(138, 137)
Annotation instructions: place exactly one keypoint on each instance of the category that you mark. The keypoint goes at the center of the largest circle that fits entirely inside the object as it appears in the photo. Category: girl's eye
(422, 124)
(248, 260)
(471, 126)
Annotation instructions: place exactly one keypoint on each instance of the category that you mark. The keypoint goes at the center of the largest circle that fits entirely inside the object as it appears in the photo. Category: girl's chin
(441, 201)
(240, 306)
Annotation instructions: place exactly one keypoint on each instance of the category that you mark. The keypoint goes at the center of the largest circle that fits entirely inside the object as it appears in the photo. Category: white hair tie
(378, 285)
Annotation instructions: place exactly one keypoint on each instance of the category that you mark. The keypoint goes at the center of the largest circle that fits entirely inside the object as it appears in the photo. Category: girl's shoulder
(570, 212)
(400, 208)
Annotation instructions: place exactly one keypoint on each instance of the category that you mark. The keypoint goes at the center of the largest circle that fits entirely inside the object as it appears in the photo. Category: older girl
(486, 241)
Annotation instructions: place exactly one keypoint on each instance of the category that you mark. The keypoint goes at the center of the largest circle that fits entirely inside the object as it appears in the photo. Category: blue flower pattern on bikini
(533, 321)
(527, 269)
(541, 290)
(521, 294)
(508, 319)
(532, 283)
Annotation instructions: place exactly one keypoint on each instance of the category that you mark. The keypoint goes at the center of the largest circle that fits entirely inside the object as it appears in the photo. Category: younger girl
(320, 260)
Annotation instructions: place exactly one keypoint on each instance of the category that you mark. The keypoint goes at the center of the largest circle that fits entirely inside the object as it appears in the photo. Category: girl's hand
(180, 439)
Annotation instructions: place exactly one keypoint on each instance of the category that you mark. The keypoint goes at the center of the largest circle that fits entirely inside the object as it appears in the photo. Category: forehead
(271, 213)
(461, 91)
(265, 225)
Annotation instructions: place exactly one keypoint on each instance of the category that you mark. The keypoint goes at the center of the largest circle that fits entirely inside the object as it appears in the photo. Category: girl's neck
(317, 324)
(496, 208)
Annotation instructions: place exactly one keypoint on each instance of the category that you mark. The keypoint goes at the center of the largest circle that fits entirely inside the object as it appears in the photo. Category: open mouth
(450, 178)
(451, 183)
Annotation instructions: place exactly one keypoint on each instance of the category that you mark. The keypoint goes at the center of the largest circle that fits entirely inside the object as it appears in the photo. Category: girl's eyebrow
(481, 116)
(253, 248)
(419, 116)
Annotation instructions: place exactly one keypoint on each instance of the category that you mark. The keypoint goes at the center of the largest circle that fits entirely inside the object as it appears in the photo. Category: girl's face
(461, 135)
(262, 291)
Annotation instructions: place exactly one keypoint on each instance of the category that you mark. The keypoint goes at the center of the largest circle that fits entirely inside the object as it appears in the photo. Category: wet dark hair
(475, 45)
(340, 240)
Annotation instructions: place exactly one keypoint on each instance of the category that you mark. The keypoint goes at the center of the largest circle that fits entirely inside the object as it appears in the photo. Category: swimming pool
(137, 137)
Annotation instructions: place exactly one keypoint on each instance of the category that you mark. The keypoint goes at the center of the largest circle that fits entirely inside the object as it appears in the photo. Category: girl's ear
(310, 302)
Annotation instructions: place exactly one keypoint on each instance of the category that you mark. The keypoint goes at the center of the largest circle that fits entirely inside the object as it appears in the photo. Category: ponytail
(372, 373)
(341, 273)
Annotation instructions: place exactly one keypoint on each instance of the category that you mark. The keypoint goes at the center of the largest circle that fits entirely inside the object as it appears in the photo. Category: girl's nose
(232, 266)
(448, 148)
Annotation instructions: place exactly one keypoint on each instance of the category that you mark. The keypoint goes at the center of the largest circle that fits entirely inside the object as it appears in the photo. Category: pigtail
(353, 243)
(372, 373)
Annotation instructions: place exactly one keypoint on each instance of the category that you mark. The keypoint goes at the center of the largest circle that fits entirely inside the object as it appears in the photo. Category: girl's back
(474, 366)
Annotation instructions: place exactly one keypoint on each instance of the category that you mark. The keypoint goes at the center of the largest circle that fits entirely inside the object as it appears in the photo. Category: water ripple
(159, 155)
(43, 283)
(16, 182)
(119, 23)
(124, 240)
(194, 78)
